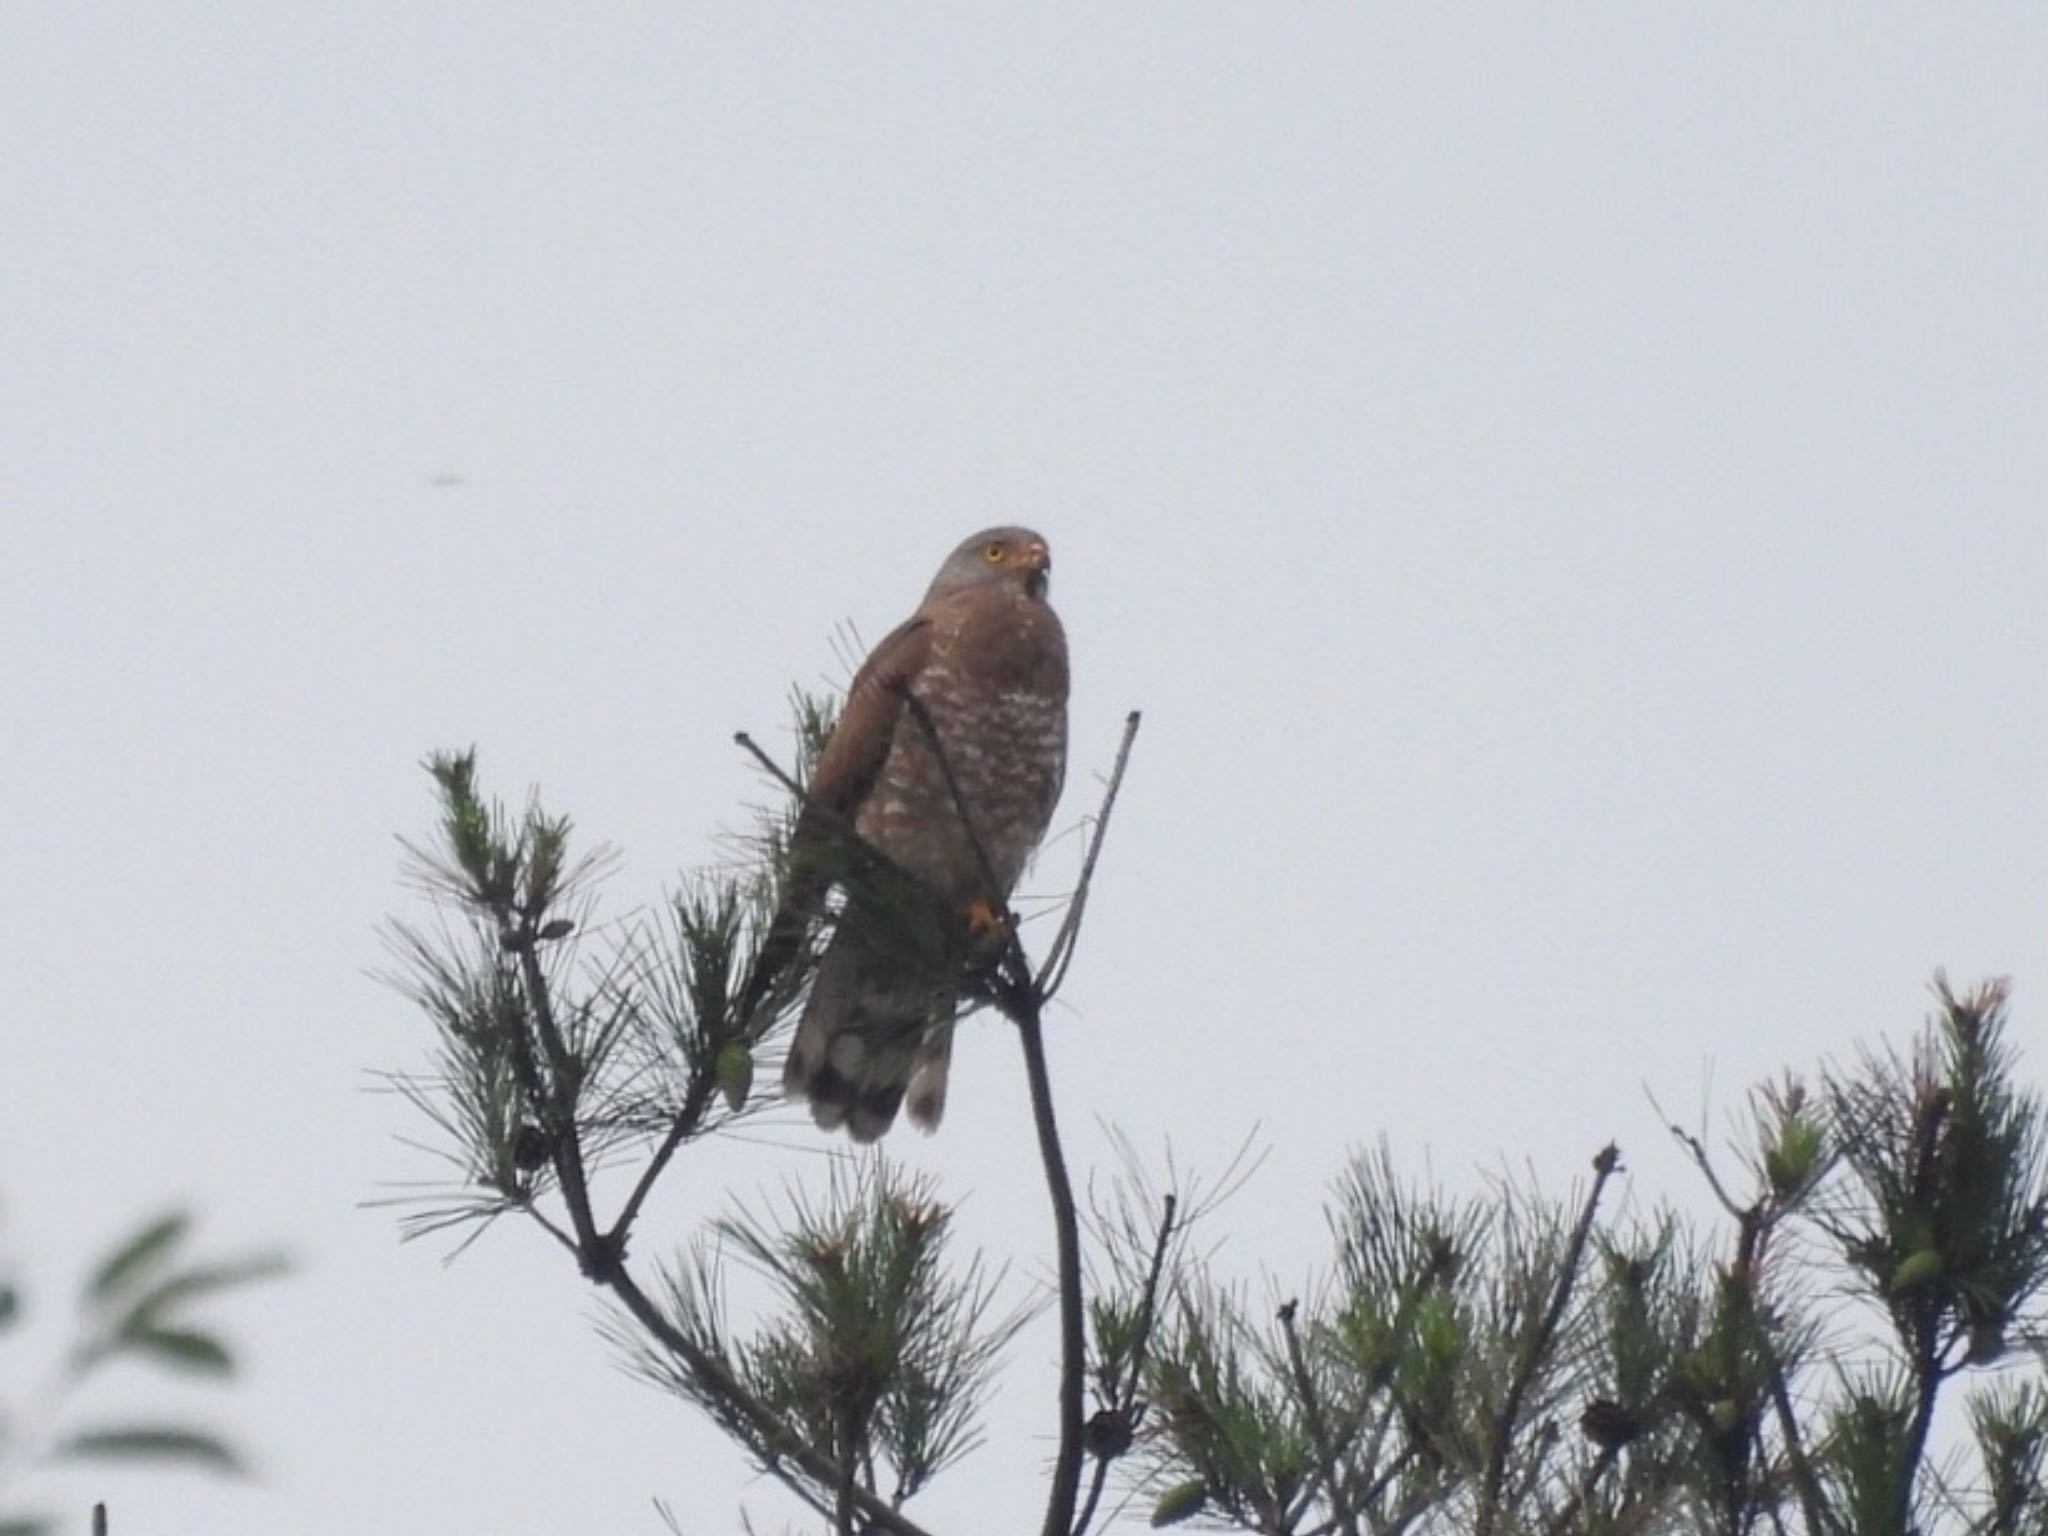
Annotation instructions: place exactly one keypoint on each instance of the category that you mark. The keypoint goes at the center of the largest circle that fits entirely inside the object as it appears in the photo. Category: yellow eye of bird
(993, 553)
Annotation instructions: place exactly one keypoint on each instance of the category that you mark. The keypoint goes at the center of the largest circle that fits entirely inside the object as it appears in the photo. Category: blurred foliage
(139, 1304)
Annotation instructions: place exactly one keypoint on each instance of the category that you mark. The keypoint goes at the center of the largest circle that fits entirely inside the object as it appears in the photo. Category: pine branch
(1583, 1490)
(782, 1441)
(595, 1254)
(1066, 1473)
(1023, 1000)
(1819, 1522)
(682, 1126)
(1697, 1151)
(604, 1264)
(599, 1255)
(1605, 1162)
(1122, 1410)
(1318, 1426)
(1927, 1380)
(777, 951)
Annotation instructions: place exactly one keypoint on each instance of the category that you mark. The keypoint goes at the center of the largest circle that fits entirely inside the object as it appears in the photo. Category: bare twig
(1057, 958)
(1697, 1151)
(921, 713)
(774, 768)
(1605, 1162)
(551, 1228)
(839, 825)
(1023, 1001)
(1148, 1303)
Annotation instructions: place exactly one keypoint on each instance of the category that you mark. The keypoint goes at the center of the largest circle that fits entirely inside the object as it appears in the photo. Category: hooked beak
(1037, 561)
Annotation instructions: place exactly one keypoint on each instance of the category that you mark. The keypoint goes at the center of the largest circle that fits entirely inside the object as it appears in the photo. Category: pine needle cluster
(557, 1050)
(874, 1345)
(1498, 1364)
(1501, 1365)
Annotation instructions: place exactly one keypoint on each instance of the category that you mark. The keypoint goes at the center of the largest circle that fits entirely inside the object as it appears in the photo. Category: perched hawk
(986, 656)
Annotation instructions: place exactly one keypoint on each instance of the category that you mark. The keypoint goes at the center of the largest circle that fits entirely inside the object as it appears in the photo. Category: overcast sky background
(1565, 485)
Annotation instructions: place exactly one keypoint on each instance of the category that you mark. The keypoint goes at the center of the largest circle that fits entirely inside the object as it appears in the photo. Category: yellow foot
(984, 921)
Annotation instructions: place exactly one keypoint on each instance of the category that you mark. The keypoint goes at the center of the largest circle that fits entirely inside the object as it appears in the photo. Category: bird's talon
(984, 921)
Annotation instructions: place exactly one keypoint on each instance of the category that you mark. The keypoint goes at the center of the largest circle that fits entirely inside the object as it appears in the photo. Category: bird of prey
(986, 658)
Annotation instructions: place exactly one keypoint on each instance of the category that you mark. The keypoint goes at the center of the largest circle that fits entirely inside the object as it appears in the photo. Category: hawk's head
(996, 557)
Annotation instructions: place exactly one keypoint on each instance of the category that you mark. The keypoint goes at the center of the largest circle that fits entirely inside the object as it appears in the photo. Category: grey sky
(1565, 485)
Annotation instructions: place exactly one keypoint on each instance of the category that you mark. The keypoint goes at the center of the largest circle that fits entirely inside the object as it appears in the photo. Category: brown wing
(844, 773)
(859, 743)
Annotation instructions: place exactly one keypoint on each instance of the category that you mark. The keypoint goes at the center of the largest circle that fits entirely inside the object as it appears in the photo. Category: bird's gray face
(997, 557)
